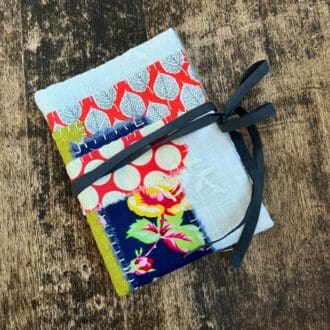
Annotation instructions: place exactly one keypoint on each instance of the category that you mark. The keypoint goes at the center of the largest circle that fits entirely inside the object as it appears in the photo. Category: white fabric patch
(264, 223)
(217, 184)
(93, 165)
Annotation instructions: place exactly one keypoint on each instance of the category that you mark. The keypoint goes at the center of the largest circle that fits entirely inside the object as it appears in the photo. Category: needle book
(162, 176)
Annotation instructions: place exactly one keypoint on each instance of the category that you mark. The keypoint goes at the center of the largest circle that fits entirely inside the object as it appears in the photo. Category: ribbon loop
(259, 114)
(249, 79)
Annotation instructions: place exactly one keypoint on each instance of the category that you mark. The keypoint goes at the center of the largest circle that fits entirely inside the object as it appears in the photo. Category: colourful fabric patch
(64, 138)
(152, 230)
(147, 170)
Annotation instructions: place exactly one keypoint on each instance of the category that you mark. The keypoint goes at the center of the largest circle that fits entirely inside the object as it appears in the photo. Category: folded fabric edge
(103, 243)
(117, 69)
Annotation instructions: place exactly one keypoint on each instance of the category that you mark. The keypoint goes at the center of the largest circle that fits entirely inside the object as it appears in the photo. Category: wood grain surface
(51, 274)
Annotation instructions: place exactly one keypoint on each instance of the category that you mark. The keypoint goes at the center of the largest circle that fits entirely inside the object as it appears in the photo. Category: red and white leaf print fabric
(167, 83)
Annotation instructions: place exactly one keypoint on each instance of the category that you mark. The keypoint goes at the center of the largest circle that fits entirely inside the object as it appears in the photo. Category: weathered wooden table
(51, 274)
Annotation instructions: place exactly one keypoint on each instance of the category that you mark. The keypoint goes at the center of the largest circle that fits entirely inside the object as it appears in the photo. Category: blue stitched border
(106, 136)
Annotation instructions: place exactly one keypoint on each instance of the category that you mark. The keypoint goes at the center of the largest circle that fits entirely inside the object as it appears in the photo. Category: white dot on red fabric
(146, 130)
(127, 178)
(111, 149)
(154, 178)
(103, 180)
(168, 157)
(112, 197)
(88, 198)
(143, 159)
(93, 165)
(179, 141)
(73, 168)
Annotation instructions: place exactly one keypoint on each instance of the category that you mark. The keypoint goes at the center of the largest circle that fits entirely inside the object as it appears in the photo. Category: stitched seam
(116, 247)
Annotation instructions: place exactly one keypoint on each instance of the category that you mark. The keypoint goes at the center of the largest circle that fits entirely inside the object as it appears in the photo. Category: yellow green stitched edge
(119, 281)
(65, 135)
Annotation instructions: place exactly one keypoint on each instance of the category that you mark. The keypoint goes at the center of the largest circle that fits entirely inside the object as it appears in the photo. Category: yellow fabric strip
(65, 135)
(119, 281)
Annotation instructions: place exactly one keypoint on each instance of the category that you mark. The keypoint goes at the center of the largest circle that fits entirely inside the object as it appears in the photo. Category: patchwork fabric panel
(147, 215)
(156, 229)
(162, 161)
